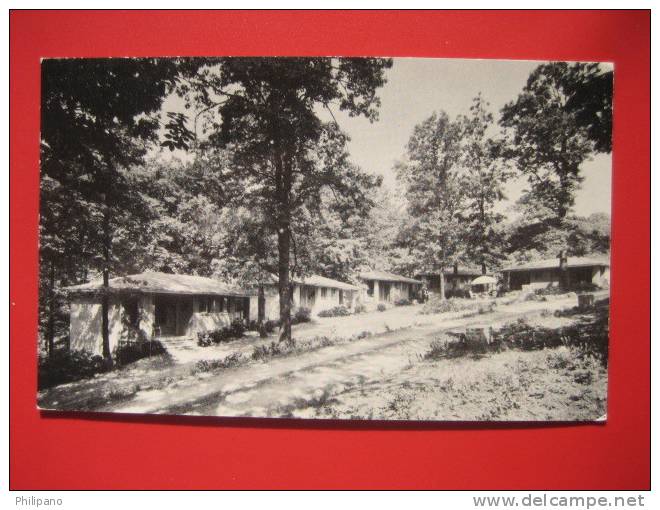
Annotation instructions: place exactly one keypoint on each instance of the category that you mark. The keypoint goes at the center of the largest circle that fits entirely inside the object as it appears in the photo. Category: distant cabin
(150, 305)
(384, 287)
(458, 280)
(317, 293)
(548, 272)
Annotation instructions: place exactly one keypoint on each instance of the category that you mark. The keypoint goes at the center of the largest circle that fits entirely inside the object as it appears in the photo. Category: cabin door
(384, 291)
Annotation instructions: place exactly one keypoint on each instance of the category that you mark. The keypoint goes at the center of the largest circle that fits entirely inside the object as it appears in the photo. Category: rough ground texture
(382, 375)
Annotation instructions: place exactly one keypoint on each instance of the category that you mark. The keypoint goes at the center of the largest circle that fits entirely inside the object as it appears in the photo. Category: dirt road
(280, 386)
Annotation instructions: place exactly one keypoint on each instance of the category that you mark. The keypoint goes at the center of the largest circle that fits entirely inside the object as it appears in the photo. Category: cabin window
(217, 304)
(370, 288)
(324, 292)
(334, 292)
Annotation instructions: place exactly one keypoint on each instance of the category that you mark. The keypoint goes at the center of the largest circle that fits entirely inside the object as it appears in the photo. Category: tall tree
(269, 115)
(483, 175)
(432, 178)
(545, 140)
(96, 117)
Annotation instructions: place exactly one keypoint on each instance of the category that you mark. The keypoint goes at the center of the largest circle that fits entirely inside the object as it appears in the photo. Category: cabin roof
(462, 271)
(316, 280)
(374, 274)
(152, 282)
(554, 264)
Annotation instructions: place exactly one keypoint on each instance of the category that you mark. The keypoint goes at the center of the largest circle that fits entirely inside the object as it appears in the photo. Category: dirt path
(276, 387)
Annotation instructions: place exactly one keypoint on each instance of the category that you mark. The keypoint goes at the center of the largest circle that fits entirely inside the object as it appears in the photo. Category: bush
(133, 351)
(402, 302)
(271, 326)
(337, 311)
(266, 351)
(230, 361)
(437, 305)
(360, 308)
(381, 307)
(68, 366)
(237, 328)
(301, 315)
(234, 330)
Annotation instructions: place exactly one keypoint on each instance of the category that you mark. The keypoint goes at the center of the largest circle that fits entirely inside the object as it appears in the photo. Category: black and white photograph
(325, 238)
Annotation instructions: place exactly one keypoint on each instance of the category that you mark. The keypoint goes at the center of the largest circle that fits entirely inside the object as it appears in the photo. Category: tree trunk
(50, 330)
(284, 175)
(261, 311)
(105, 297)
(442, 284)
(284, 245)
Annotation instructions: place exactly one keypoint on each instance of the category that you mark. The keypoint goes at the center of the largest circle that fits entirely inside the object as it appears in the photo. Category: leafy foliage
(483, 175)
(434, 191)
(302, 315)
(336, 311)
(97, 119)
(130, 352)
(235, 330)
(62, 366)
(284, 154)
(546, 140)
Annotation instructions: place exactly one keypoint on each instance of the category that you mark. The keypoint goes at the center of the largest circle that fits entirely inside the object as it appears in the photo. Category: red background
(96, 451)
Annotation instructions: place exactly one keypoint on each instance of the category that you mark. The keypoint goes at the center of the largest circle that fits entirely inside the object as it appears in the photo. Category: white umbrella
(483, 280)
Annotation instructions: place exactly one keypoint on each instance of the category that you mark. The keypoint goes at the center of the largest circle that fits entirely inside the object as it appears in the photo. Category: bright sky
(416, 87)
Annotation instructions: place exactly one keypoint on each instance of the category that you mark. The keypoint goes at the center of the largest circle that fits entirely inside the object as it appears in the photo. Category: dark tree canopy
(545, 140)
(97, 117)
(589, 89)
(266, 112)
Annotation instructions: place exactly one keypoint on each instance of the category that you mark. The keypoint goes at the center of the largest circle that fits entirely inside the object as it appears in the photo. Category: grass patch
(588, 338)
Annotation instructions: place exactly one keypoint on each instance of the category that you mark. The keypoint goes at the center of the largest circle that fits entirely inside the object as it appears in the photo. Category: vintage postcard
(325, 237)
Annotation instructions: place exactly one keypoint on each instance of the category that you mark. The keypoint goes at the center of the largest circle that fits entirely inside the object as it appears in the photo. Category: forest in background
(267, 187)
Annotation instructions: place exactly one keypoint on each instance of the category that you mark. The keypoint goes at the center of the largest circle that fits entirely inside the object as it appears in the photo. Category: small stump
(478, 336)
(585, 301)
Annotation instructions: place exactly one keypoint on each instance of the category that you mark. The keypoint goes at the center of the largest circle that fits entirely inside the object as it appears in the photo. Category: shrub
(437, 305)
(204, 339)
(402, 302)
(230, 361)
(234, 330)
(68, 366)
(301, 315)
(360, 308)
(446, 349)
(381, 307)
(337, 311)
(266, 351)
(271, 326)
(133, 351)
